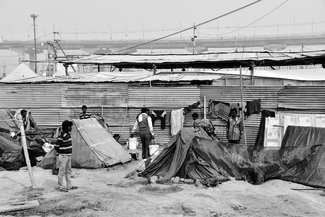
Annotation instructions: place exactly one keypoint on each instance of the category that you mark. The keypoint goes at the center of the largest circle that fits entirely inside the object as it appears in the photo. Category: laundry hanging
(176, 121)
(218, 109)
(159, 114)
(253, 107)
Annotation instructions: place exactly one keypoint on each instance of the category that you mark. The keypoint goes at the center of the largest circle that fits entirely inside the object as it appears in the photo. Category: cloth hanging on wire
(159, 114)
(176, 121)
(253, 107)
(218, 109)
(190, 107)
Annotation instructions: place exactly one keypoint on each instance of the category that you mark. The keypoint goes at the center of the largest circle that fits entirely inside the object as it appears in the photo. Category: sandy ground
(105, 192)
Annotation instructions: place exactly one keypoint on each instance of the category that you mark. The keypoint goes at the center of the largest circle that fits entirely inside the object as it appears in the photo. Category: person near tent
(64, 148)
(196, 120)
(234, 127)
(28, 120)
(144, 124)
(84, 114)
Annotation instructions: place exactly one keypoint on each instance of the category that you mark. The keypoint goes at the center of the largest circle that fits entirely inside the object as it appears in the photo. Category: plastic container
(153, 149)
(133, 143)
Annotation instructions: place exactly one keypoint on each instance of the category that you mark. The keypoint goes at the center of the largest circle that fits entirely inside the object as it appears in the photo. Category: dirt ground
(105, 192)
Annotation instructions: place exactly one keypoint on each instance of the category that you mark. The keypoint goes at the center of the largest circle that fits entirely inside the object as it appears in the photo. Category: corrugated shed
(15, 96)
(232, 94)
(163, 135)
(166, 96)
(94, 94)
(302, 98)
(252, 123)
(50, 117)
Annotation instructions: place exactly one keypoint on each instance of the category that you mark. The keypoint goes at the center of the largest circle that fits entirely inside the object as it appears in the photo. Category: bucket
(153, 149)
(133, 143)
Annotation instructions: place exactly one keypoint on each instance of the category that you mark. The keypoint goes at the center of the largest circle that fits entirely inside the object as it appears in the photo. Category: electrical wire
(255, 20)
(189, 28)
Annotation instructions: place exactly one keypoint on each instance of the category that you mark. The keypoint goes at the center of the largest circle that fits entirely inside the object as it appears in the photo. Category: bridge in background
(201, 45)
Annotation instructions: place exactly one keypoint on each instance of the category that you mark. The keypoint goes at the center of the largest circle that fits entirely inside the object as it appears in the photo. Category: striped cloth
(84, 115)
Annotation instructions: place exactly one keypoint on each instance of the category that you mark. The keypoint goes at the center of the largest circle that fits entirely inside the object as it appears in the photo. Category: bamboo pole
(24, 143)
(204, 107)
(242, 104)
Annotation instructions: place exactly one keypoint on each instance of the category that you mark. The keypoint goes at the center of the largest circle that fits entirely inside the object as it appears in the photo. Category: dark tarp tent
(196, 155)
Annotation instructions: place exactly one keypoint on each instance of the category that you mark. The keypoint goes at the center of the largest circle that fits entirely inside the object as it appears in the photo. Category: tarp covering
(19, 73)
(203, 158)
(93, 146)
(233, 59)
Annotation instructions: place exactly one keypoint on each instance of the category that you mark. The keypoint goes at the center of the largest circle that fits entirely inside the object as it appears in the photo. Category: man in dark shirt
(64, 148)
(84, 114)
(144, 124)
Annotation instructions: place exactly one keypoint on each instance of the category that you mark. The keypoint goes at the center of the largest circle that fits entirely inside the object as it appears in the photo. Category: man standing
(84, 114)
(144, 124)
(64, 148)
(234, 127)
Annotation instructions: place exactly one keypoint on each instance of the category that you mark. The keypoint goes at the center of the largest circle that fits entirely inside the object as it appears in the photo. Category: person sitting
(117, 137)
(196, 119)
(84, 114)
(28, 121)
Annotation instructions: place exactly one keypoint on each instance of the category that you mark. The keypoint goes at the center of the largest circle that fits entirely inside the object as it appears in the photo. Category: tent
(20, 73)
(93, 147)
(197, 156)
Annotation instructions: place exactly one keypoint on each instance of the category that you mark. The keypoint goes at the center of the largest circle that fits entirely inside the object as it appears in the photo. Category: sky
(146, 19)
(151, 19)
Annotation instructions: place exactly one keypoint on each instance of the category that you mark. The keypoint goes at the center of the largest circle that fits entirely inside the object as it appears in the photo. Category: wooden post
(204, 107)
(242, 104)
(24, 143)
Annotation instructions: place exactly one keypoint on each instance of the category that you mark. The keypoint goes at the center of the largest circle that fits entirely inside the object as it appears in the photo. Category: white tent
(22, 72)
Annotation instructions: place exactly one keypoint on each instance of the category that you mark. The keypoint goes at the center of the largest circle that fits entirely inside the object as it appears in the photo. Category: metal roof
(208, 60)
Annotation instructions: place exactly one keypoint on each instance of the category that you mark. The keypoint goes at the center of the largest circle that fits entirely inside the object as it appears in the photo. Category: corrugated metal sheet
(232, 94)
(165, 61)
(50, 117)
(113, 116)
(166, 96)
(183, 77)
(94, 94)
(163, 136)
(252, 123)
(304, 97)
(30, 96)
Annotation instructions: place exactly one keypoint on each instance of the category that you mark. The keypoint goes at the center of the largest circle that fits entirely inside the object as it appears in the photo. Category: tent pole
(204, 107)
(24, 143)
(242, 104)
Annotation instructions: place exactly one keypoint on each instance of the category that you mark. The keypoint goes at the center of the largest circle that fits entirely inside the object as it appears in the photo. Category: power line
(255, 20)
(189, 28)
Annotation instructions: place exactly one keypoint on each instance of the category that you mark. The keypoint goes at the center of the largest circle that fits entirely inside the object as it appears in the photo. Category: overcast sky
(144, 19)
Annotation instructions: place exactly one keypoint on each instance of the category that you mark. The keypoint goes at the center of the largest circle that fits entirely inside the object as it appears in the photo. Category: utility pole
(193, 39)
(34, 16)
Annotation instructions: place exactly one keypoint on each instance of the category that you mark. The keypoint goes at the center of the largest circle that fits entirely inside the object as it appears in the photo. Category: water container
(153, 149)
(133, 143)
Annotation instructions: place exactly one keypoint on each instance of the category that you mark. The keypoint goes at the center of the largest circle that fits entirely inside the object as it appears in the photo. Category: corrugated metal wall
(162, 98)
(302, 98)
(94, 94)
(16, 96)
(119, 103)
(232, 94)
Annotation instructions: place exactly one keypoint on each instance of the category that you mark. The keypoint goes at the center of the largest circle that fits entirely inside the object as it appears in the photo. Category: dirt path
(108, 193)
